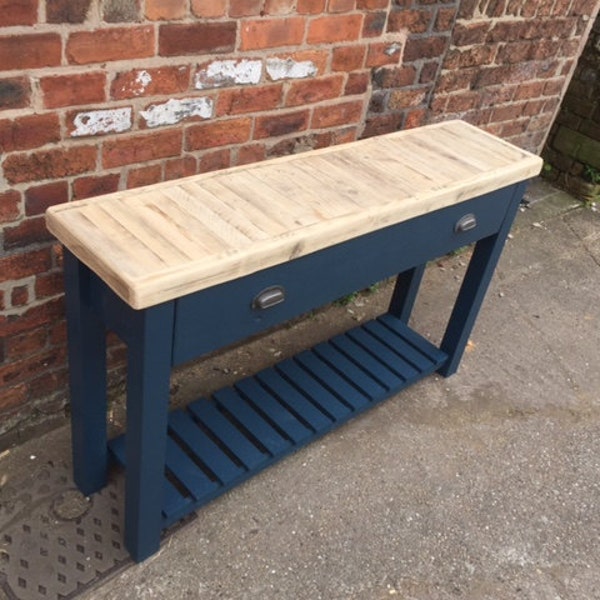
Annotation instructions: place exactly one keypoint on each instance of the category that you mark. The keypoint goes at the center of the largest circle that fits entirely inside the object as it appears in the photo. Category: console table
(182, 268)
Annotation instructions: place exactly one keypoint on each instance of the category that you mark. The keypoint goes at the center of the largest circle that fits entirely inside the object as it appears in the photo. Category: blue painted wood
(331, 405)
(474, 286)
(87, 379)
(148, 373)
(318, 278)
(238, 444)
(405, 292)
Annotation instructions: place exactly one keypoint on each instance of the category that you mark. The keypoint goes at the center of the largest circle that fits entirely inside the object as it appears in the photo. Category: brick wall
(574, 140)
(97, 96)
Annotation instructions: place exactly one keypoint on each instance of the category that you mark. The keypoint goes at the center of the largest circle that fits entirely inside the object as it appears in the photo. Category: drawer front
(212, 318)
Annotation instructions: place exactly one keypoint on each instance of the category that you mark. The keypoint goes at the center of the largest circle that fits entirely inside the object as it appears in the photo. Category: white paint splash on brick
(173, 111)
(280, 68)
(221, 73)
(102, 121)
(143, 80)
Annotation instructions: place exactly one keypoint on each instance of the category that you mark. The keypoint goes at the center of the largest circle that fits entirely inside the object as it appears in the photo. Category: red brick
(10, 206)
(87, 187)
(337, 114)
(49, 284)
(141, 148)
(30, 51)
(451, 81)
(40, 197)
(281, 124)
(29, 132)
(467, 34)
(67, 11)
(14, 92)
(348, 58)
(272, 33)
(245, 8)
(24, 369)
(2, 307)
(19, 295)
(49, 164)
(415, 118)
(12, 396)
(445, 19)
(380, 124)
(429, 71)
(310, 91)
(47, 384)
(150, 82)
(71, 90)
(339, 6)
(553, 87)
(196, 38)
(180, 167)
(508, 113)
(249, 99)
(214, 161)
(165, 9)
(531, 89)
(24, 265)
(29, 231)
(401, 99)
(393, 77)
(357, 83)
(319, 58)
(310, 7)
(371, 4)
(45, 314)
(334, 28)
(250, 154)
(209, 8)
(220, 133)
(23, 12)
(115, 43)
(476, 56)
(279, 7)
(144, 176)
(462, 102)
(380, 54)
(374, 24)
(428, 47)
(415, 21)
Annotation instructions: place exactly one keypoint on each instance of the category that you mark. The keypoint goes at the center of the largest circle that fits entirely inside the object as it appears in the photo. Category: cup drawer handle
(269, 297)
(466, 223)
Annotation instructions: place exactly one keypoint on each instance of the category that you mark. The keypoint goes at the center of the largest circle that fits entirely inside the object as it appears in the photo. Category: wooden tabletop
(156, 243)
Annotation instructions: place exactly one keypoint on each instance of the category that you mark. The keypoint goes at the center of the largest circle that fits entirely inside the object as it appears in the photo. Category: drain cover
(54, 542)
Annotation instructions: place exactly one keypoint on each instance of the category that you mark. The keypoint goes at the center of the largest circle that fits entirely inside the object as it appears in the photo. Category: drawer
(223, 314)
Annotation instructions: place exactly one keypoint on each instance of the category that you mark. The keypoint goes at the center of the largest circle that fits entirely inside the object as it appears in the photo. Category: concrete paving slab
(485, 485)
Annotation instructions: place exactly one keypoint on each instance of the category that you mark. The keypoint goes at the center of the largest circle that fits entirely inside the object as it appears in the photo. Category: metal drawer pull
(465, 223)
(269, 297)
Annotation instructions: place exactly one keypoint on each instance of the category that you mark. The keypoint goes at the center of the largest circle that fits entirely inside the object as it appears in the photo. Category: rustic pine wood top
(163, 241)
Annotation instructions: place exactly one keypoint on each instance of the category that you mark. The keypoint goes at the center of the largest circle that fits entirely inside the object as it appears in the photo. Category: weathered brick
(14, 92)
(12, 397)
(49, 164)
(31, 51)
(39, 197)
(245, 100)
(348, 58)
(428, 47)
(180, 167)
(415, 118)
(176, 110)
(314, 90)
(245, 8)
(86, 187)
(167, 10)
(279, 7)
(374, 24)
(400, 99)
(357, 83)
(310, 7)
(150, 82)
(71, 90)
(415, 21)
(394, 77)
(338, 6)
(508, 113)
(371, 4)
(196, 38)
(429, 71)
(281, 124)
(141, 176)
(119, 43)
(209, 9)
(466, 34)
(24, 265)
(27, 232)
(337, 115)
(22, 370)
(445, 19)
(10, 206)
(67, 11)
(141, 148)
(383, 53)
(28, 132)
(120, 11)
(272, 33)
(462, 102)
(219, 133)
(251, 153)
(532, 89)
(23, 12)
(216, 160)
(380, 124)
(476, 56)
(335, 28)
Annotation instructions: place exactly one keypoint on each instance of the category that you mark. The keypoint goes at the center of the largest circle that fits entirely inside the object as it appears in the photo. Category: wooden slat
(158, 243)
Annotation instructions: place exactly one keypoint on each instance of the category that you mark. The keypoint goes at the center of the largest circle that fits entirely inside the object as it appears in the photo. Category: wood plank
(158, 243)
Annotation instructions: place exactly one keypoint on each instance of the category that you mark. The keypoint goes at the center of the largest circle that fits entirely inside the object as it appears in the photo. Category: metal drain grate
(54, 543)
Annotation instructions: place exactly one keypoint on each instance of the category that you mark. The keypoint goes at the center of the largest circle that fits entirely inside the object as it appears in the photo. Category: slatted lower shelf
(216, 443)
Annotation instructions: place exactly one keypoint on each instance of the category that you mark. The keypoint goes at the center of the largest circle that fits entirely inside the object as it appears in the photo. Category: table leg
(148, 374)
(405, 292)
(474, 286)
(87, 379)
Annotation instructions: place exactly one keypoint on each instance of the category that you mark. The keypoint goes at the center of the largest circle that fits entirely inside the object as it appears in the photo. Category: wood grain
(160, 242)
